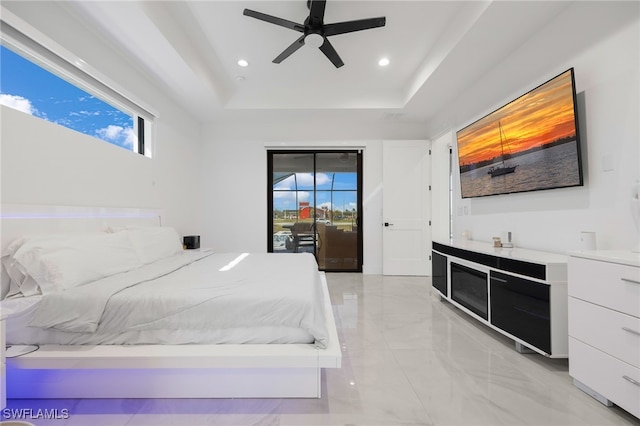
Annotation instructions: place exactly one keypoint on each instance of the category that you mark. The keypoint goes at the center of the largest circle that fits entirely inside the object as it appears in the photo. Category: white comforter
(189, 291)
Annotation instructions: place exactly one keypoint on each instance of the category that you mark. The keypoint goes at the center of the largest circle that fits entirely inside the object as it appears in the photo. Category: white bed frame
(156, 371)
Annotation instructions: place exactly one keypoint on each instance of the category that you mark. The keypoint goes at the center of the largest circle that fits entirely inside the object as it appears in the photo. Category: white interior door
(406, 235)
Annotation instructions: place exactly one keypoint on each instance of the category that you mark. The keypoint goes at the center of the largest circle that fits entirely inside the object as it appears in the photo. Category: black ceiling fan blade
(316, 12)
(331, 53)
(289, 50)
(351, 26)
(274, 20)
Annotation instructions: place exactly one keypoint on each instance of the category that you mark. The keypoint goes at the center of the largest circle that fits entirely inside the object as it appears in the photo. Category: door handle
(630, 380)
(632, 331)
(388, 224)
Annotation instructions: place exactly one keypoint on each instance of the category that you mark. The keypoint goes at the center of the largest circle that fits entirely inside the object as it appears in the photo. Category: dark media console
(520, 293)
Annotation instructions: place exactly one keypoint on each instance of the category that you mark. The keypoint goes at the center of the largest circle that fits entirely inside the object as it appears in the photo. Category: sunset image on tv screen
(529, 144)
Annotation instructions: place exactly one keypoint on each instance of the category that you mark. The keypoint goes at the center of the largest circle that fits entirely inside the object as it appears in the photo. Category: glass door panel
(337, 196)
(292, 202)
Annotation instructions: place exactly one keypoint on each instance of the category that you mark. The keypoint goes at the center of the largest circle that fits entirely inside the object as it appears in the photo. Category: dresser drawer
(611, 285)
(605, 374)
(610, 331)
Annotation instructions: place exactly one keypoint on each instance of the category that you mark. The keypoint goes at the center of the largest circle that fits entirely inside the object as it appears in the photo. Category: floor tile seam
(410, 382)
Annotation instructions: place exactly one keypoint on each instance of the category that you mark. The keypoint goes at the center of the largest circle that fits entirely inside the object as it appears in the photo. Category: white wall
(607, 77)
(235, 176)
(43, 163)
(607, 83)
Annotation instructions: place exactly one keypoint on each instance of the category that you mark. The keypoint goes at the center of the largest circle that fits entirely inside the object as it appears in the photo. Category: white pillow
(155, 243)
(20, 283)
(68, 261)
(15, 275)
(119, 228)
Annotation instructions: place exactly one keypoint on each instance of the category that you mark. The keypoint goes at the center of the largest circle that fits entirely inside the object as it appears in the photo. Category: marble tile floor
(409, 359)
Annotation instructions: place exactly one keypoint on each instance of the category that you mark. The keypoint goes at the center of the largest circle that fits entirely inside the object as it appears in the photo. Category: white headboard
(17, 220)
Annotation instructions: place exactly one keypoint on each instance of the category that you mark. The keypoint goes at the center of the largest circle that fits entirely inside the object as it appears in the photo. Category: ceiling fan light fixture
(314, 40)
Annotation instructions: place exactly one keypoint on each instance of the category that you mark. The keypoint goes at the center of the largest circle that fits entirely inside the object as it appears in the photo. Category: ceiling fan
(315, 31)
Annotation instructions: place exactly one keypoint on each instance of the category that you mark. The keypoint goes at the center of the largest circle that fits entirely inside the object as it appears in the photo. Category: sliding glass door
(314, 206)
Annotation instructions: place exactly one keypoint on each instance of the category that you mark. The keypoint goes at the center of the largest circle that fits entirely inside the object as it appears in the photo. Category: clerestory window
(37, 81)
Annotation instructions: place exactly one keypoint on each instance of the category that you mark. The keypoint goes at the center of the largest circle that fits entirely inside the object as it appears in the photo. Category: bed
(163, 323)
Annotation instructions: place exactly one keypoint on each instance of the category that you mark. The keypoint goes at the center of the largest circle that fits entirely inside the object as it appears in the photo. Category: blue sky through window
(29, 88)
(343, 197)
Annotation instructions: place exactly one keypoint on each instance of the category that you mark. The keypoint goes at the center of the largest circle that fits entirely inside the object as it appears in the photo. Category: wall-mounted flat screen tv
(532, 143)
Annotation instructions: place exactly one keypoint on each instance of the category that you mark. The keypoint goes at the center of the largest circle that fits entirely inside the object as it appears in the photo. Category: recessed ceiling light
(383, 62)
(243, 63)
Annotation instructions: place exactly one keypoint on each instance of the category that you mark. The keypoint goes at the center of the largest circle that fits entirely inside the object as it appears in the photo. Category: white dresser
(604, 326)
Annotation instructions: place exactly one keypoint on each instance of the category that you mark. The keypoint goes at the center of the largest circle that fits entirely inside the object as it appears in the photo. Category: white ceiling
(437, 49)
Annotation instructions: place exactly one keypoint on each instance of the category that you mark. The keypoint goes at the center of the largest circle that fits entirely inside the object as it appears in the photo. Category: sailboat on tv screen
(501, 169)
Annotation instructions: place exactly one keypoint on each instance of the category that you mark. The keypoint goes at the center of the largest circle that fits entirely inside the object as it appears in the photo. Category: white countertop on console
(623, 257)
(515, 253)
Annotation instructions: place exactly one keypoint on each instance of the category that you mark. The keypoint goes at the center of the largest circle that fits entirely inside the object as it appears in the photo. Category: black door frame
(359, 220)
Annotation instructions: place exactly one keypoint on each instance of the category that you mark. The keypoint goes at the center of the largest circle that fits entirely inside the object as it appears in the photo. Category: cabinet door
(439, 268)
(521, 307)
(469, 289)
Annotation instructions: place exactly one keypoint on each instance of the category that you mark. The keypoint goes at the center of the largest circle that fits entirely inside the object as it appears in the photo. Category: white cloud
(322, 178)
(130, 136)
(17, 102)
(303, 180)
(286, 184)
(325, 205)
(85, 113)
(306, 179)
(110, 132)
(123, 136)
(291, 196)
(64, 122)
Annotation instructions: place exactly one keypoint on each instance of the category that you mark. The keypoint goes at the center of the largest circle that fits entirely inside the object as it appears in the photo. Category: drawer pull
(499, 279)
(632, 331)
(629, 379)
(629, 280)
